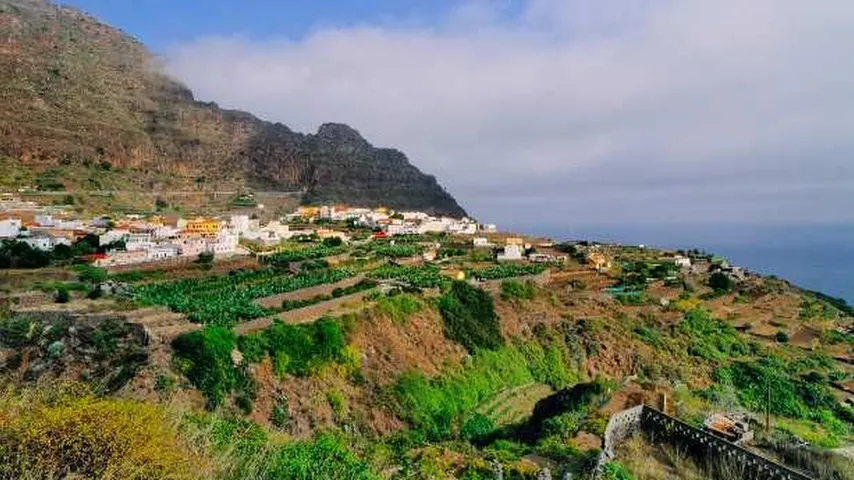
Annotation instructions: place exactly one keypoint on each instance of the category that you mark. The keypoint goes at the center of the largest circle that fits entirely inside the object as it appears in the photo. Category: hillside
(420, 376)
(86, 108)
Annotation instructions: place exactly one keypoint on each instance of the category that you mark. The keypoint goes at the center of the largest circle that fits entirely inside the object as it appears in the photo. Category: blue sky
(162, 23)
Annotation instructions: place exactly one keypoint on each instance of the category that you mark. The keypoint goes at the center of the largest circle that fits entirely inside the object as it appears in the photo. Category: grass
(469, 317)
(399, 307)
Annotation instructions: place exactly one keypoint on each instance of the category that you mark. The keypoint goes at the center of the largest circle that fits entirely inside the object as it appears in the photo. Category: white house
(481, 242)
(122, 258)
(682, 262)
(463, 228)
(10, 228)
(161, 252)
(489, 228)
(138, 241)
(46, 242)
(165, 231)
(111, 236)
(240, 223)
(45, 220)
(432, 226)
(401, 229)
(512, 252)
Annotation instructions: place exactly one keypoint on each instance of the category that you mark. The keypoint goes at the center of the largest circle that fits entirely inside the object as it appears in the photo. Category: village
(137, 239)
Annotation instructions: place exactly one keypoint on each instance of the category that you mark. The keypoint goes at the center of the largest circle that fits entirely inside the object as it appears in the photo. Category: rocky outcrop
(78, 98)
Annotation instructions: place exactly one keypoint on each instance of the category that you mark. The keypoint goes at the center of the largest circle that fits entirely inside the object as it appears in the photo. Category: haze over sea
(816, 257)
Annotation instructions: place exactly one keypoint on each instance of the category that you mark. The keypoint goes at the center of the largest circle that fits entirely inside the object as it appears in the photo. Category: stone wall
(725, 458)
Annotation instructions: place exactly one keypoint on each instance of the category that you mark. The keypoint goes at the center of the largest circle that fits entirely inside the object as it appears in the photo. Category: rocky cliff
(79, 98)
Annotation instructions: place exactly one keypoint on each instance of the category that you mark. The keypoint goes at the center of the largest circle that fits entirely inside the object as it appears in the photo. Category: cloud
(556, 111)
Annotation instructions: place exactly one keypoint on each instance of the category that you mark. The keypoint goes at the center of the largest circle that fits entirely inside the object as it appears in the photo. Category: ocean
(815, 257)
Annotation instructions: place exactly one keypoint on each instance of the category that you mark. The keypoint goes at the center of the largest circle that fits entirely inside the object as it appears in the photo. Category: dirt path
(306, 314)
(274, 301)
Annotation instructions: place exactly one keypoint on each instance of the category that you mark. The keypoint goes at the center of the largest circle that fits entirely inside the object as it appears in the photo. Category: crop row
(226, 300)
(507, 271)
(298, 255)
(396, 251)
(426, 276)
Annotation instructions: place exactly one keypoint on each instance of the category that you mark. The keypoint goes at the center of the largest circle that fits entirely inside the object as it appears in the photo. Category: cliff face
(78, 95)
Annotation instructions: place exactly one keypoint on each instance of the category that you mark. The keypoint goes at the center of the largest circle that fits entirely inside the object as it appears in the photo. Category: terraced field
(229, 299)
(513, 405)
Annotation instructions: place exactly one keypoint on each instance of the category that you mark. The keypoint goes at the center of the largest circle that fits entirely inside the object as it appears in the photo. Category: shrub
(648, 336)
(781, 337)
(62, 295)
(279, 416)
(54, 435)
(721, 282)
(616, 471)
(513, 290)
(298, 349)
(469, 317)
(326, 457)
(207, 361)
(711, 339)
(91, 274)
(399, 307)
(477, 428)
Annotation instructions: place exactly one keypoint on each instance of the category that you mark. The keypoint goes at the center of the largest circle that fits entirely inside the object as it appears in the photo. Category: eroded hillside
(426, 376)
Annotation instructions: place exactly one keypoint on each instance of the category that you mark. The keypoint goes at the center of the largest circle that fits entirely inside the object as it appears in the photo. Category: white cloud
(644, 110)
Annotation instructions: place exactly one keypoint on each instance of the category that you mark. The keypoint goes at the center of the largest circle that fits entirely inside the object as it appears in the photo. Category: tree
(721, 282)
(91, 274)
(332, 242)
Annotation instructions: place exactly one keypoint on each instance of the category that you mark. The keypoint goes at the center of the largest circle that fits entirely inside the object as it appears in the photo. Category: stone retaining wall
(725, 458)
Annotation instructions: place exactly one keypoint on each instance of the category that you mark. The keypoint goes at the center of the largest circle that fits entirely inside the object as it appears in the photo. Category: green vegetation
(399, 307)
(513, 290)
(336, 293)
(498, 272)
(438, 408)
(297, 349)
(616, 471)
(204, 357)
(286, 257)
(721, 282)
(469, 317)
(225, 300)
(395, 251)
(71, 433)
(427, 276)
(798, 390)
(712, 339)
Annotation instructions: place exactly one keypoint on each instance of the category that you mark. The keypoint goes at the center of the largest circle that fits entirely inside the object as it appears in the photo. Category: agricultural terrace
(285, 257)
(228, 299)
(498, 272)
(424, 276)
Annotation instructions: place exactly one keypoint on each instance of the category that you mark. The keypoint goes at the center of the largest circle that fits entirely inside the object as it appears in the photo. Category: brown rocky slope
(79, 96)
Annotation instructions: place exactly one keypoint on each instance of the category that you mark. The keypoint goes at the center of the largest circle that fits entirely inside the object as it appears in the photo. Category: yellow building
(308, 212)
(203, 227)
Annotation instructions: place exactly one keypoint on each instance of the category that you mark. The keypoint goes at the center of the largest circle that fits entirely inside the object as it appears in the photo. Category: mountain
(85, 107)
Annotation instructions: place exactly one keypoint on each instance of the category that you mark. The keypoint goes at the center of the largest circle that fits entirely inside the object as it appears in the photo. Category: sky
(540, 113)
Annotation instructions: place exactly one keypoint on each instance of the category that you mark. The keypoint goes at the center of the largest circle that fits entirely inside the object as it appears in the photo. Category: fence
(722, 456)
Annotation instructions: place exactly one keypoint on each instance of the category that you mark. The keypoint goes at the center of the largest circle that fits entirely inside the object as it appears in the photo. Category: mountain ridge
(82, 95)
